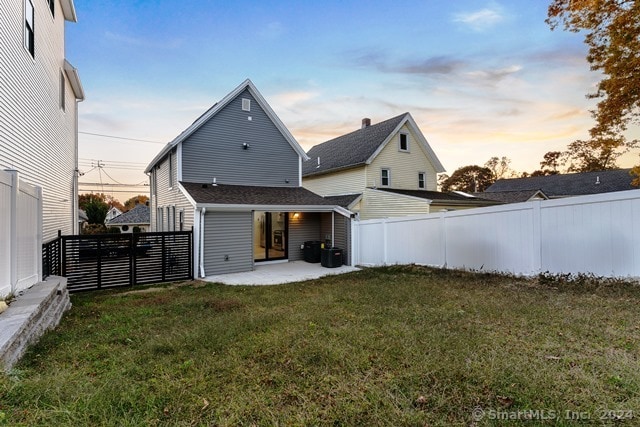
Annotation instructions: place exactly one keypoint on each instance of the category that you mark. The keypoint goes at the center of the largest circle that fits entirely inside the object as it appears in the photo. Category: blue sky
(481, 78)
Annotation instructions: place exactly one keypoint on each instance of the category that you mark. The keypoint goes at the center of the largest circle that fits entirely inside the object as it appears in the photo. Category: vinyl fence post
(537, 236)
(385, 242)
(443, 239)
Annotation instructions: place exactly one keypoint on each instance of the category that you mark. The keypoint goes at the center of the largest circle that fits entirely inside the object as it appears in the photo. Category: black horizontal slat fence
(109, 260)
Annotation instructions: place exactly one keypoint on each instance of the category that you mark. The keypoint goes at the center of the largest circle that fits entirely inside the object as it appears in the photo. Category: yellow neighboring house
(383, 170)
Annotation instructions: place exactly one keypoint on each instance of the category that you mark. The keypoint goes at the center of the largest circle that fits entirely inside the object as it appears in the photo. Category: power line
(122, 137)
(99, 184)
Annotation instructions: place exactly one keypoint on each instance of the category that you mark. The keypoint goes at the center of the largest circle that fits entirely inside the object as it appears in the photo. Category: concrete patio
(278, 273)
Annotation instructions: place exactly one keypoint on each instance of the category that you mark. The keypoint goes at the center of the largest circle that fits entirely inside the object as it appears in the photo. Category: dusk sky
(481, 78)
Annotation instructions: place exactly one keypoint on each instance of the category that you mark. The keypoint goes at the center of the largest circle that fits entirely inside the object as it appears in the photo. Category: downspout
(204, 210)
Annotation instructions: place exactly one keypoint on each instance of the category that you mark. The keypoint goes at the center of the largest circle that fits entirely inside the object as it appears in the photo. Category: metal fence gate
(109, 260)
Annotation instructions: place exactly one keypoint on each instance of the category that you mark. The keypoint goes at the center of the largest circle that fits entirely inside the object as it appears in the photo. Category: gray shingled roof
(349, 150)
(516, 196)
(574, 184)
(439, 196)
(223, 194)
(138, 215)
(343, 200)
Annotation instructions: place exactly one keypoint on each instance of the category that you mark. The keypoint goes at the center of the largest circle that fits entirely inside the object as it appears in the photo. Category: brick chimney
(366, 122)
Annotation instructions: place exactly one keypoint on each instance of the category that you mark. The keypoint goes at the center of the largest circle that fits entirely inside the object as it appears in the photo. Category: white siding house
(39, 91)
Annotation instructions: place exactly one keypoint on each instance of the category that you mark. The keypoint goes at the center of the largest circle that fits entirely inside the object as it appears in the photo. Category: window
(29, 33)
(52, 6)
(62, 91)
(181, 219)
(169, 219)
(246, 104)
(385, 178)
(159, 220)
(421, 182)
(404, 142)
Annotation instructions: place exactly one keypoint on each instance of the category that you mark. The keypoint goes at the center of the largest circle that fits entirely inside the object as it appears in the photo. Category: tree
(96, 209)
(132, 202)
(111, 201)
(471, 179)
(550, 164)
(500, 167)
(613, 36)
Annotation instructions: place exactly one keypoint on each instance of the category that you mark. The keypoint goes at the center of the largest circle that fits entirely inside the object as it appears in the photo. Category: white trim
(74, 80)
(179, 163)
(248, 85)
(275, 261)
(299, 171)
(187, 195)
(202, 218)
(69, 10)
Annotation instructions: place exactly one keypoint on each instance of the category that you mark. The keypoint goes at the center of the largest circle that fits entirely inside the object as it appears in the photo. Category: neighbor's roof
(344, 200)
(217, 107)
(361, 146)
(138, 215)
(223, 194)
(574, 184)
(515, 196)
(440, 197)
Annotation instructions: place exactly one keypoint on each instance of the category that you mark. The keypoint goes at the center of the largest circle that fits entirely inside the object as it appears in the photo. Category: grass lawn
(386, 346)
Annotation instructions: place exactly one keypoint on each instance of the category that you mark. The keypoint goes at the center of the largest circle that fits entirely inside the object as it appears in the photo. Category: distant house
(382, 170)
(112, 213)
(38, 111)
(561, 185)
(234, 175)
(138, 218)
(82, 219)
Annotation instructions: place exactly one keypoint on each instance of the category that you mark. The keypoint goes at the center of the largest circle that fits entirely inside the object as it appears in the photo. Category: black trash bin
(331, 257)
(312, 251)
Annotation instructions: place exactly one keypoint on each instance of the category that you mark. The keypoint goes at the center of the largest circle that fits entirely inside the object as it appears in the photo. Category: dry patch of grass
(386, 346)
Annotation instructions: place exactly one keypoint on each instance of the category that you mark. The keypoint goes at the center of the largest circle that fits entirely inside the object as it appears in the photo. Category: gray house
(234, 175)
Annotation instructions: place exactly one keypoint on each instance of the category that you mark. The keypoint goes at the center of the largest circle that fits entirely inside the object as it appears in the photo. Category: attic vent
(246, 104)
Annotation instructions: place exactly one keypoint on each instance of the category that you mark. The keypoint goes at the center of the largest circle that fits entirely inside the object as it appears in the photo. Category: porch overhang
(275, 208)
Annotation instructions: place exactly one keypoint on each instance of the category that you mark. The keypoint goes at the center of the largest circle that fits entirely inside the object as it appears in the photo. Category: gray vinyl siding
(306, 227)
(165, 197)
(227, 234)
(38, 138)
(215, 149)
(341, 233)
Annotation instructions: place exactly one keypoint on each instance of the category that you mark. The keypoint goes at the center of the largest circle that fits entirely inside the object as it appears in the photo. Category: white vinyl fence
(598, 234)
(20, 234)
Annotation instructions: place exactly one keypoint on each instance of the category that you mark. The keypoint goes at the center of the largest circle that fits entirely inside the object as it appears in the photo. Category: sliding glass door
(270, 235)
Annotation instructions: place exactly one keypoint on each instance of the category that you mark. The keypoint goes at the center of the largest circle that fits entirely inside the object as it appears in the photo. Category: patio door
(270, 235)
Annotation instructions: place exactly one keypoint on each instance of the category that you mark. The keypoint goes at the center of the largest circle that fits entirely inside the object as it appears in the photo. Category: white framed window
(385, 177)
(403, 142)
(63, 82)
(421, 180)
(159, 219)
(181, 219)
(29, 28)
(246, 104)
